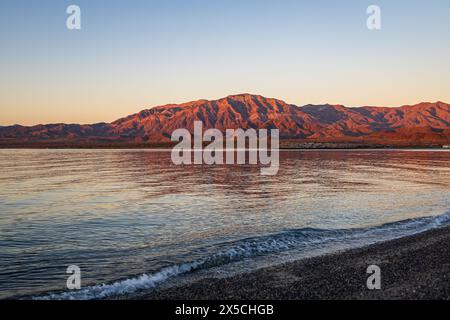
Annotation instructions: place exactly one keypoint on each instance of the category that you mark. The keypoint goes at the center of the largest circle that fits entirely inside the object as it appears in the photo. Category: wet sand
(415, 267)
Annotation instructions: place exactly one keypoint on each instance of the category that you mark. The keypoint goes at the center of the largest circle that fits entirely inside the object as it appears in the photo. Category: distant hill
(421, 124)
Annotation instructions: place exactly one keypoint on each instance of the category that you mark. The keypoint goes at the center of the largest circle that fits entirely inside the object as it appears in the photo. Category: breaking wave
(226, 253)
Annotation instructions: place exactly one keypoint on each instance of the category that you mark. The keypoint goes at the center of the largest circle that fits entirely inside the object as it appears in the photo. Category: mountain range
(422, 124)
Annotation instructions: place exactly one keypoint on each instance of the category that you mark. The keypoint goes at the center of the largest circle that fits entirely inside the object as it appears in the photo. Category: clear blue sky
(131, 55)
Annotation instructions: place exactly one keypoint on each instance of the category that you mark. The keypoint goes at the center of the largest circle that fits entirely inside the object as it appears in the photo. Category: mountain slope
(421, 123)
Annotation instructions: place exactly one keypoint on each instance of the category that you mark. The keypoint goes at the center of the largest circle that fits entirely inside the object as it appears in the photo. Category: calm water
(131, 220)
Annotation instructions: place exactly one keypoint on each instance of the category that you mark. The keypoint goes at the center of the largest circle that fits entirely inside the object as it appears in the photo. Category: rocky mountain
(419, 124)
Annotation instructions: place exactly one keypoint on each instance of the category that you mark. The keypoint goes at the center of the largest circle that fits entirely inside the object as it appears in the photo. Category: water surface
(132, 220)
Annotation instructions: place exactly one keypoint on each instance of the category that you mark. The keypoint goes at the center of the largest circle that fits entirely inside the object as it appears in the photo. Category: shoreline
(415, 267)
(169, 149)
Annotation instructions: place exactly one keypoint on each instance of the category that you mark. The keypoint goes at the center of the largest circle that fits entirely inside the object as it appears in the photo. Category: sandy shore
(416, 267)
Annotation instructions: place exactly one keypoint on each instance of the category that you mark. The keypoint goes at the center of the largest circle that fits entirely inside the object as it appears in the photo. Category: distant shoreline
(283, 146)
(415, 267)
(168, 149)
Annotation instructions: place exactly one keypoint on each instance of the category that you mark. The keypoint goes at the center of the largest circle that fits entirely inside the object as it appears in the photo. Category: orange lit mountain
(421, 124)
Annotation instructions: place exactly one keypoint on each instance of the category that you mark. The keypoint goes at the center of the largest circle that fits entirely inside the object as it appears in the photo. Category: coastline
(413, 268)
(318, 146)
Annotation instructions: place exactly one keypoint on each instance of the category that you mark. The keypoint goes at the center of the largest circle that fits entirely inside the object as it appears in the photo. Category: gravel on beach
(414, 267)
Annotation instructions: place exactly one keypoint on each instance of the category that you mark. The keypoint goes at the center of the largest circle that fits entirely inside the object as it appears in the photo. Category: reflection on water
(120, 213)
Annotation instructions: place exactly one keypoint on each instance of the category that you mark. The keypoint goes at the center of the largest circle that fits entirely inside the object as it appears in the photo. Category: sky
(131, 55)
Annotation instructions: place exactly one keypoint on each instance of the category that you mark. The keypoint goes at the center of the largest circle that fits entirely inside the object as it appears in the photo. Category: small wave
(253, 247)
(123, 287)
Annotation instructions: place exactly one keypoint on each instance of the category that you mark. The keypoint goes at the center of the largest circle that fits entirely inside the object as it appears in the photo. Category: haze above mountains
(421, 124)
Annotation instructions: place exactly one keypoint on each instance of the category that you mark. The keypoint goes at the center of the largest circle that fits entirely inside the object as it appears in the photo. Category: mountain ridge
(422, 123)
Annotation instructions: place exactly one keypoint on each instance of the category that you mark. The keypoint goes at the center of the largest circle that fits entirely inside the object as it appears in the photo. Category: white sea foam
(248, 248)
(122, 287)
